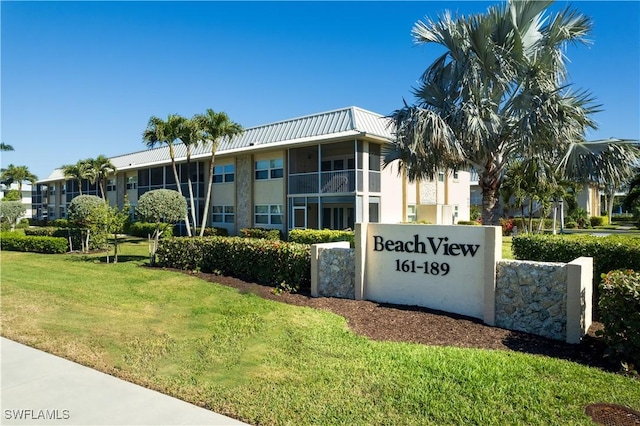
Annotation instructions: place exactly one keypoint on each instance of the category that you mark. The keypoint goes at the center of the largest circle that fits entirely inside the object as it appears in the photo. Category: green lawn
(270, 363)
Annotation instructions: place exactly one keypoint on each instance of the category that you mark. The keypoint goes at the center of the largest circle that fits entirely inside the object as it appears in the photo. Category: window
(268, 214)
(456, 175)
(111, 185)
(440, 176)
(269, 169)
(62, 212)
(411, 213)
(224, 174)
(455, 211)
(156, 176)
(132, 182)
(337, 165)
(52, 190)
(223, 214)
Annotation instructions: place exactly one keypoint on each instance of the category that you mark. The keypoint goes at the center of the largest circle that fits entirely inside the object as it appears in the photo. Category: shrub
(37, 222)
(571, 225)
(620, 315)
(507, 226)
(144, 229)
(215, 231)
(43, 231)
(268, 262)
(59, 223)
(599, 220)
(469, 222)
(266, 234)
(316, 236)
(47, 245)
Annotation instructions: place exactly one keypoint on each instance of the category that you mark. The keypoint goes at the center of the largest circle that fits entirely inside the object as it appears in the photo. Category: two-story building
(321, 171)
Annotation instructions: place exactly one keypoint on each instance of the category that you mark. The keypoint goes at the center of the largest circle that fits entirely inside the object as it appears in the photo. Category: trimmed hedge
(144, 229)
(47, 245)
(620, 309)
(468, 222)
(74, 233)
(267, 262)
(609, 253)
(264, 233)
(316, 236)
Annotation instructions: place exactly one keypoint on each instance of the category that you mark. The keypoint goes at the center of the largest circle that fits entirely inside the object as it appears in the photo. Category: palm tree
(78, 172)
(633, 193)
(608, 163)
(159, 131)
(215, 126)
(99, 169)
(190, 135)
(497, 92)
(5, 147)
(17, 174)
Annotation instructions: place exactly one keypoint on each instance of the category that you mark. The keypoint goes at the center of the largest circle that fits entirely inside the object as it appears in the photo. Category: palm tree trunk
(80, 186)
(490, 186)
(611, 198)
(101, 185)
(190, 186)
(175, 174)
(490, 207)
(208, 198)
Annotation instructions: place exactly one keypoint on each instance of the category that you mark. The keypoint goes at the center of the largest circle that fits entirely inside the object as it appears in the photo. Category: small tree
(161, 206)
(12, 211)
(90, 213)
(116, 222)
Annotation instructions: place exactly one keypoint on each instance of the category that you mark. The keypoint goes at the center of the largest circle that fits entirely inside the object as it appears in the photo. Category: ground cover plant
(266, 362)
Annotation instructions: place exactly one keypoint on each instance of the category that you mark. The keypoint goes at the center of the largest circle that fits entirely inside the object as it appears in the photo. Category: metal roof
(350, 121)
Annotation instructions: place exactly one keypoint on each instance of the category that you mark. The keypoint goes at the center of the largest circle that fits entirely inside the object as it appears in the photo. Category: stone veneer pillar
(244, 191)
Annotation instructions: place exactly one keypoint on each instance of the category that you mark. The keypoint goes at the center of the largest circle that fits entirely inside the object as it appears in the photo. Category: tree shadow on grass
(589, 352)
(89, 258)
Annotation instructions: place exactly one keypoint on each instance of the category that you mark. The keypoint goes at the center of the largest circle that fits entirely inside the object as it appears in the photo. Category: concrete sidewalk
(42, 389)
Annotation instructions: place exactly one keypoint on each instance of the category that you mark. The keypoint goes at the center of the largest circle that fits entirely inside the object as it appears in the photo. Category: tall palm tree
(100, 168)
(17, 174)
(190, 135)
(77, 172)
(5, 147)
(215, 127)
(159, 131)
(498, 91)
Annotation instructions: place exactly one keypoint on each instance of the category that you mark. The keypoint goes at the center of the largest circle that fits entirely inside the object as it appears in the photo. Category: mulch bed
(399, 323)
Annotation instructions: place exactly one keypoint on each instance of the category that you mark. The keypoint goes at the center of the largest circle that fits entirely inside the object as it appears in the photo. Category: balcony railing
(323, 182)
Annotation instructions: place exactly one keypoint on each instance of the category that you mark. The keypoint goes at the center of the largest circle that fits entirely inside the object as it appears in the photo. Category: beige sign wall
(450, 268)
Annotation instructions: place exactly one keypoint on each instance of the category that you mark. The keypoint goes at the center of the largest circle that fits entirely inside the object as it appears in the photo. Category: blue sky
(80, 79)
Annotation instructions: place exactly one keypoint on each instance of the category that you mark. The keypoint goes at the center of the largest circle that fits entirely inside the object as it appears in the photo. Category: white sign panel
(439, 267)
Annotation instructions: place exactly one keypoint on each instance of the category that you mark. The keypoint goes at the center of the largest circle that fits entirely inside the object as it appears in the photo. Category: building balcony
(335, 182)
